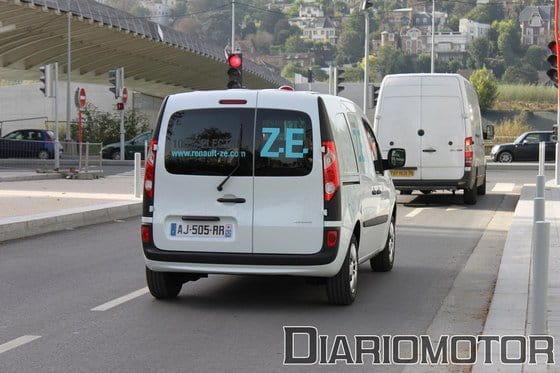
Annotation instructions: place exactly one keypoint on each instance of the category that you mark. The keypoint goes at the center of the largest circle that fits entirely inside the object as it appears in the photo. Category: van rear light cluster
(150, 169)
(146, 233)
(468, 151)
(331, 178)
(332, 238)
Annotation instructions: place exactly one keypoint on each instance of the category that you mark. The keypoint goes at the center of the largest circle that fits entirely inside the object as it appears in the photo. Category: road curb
(517, 166)
(39, 176)
(12, 228)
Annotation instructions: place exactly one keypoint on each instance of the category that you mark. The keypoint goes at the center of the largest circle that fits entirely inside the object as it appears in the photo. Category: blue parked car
(30, 143)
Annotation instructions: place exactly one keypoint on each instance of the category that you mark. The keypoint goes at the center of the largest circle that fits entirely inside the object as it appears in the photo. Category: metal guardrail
(35, 154)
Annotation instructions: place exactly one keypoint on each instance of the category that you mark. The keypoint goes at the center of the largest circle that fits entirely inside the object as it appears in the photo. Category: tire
(383, 262)
(469, 196)
(406, 192)
(505, 157)
(43, 154)
(426, 191)
(163, 285)
(481, 189)
(116, 155)
(343, 287)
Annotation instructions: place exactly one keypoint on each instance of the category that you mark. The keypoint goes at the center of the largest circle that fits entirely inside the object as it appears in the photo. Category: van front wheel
(163, 285)
(469, 196)
(343, 287)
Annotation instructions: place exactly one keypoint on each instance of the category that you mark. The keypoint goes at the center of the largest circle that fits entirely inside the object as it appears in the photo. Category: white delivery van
(267, 182)
(436, 119)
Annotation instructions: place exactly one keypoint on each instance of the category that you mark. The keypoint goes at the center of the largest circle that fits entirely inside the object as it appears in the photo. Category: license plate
(197, 230)
(402, 173)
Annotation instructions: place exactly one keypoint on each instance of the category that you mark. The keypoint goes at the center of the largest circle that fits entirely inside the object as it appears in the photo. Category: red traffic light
(553, 47)
(235, 60)
(120, 106)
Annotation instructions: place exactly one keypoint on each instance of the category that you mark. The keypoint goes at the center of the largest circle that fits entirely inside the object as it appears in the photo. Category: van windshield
(206, 142)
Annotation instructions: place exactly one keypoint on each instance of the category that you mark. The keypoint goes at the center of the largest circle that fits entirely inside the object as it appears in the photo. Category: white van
(266, 182)
(436, 119)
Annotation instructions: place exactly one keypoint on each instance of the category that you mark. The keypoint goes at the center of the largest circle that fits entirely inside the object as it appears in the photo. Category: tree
(424, 62)
(295, 44)
(521, 74)
(509, 40)
(477, 52)
(536, 56)
(393, 61)
(350, 46)
(486, 13)
(486, 87)
(104, 127)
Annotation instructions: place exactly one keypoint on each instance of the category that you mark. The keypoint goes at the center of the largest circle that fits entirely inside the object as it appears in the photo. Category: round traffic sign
(124, 95)
(82, 97)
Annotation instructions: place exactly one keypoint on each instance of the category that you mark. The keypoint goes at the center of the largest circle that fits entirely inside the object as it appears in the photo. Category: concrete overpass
(157, 59)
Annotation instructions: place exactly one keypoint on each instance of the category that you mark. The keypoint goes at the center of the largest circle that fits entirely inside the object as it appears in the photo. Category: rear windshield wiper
(220, 187)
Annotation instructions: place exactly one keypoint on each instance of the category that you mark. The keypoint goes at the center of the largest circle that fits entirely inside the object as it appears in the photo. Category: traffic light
(120, 106)
(235, 71)
(375, 88)
(337, 80)
(47, 80)
(552, 59)
(555, 132)
(309, 76)
(116, 81)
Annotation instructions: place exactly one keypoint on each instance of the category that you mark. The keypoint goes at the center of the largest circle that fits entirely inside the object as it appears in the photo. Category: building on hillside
(321, 29)
(310, 10)
(390, 39)
(473, 29)
(537, 25)
(404, 18)
(449, 46)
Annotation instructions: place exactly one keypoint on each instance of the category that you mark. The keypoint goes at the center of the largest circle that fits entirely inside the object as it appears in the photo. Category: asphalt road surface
(54, 291)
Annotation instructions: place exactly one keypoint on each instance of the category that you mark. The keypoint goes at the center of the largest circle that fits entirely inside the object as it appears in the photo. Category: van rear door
(204, 138)
(397, 123)
(288, 189)
(443, 125)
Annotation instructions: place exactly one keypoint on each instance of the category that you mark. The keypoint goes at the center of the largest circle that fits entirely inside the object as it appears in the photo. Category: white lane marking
(18, 342)
(120, 300)
(414, 212)
(54, 194)
(454, 208)
(503, 187)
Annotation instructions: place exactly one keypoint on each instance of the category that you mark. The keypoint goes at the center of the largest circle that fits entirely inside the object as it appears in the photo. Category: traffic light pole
(68, 78)
(557, 37)
(122, 134)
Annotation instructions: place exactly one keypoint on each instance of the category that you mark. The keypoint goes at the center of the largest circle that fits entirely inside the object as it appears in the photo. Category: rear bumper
(324, 263)
(467, 181)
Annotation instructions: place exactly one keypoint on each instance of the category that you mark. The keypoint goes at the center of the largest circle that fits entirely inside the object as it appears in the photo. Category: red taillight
(146, 233)
(49, 137)
(332, 238)
(331, 177)
(468, 151)
(149, 171)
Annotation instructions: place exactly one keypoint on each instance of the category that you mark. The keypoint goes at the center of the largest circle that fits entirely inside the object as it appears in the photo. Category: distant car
(28, 143)
(525, 148)
(113, 151)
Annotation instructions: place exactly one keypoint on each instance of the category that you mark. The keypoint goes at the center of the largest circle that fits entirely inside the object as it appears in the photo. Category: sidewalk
(40, 206)
(11, 176)
(510, 311)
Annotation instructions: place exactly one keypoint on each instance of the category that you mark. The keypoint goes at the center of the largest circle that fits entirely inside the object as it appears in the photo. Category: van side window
(373, 146)
(344, 146)
(357, 140)
(283, 143)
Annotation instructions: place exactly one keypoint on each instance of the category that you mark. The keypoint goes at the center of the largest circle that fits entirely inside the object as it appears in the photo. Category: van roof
(279, 92)
(427, 75)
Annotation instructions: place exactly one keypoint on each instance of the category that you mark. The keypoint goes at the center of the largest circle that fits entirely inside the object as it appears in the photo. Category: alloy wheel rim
(505, 157)
(353, 264)
(391, 242)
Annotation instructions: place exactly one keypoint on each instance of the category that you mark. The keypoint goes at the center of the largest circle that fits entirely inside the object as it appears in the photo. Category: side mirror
(489, 134)
(395, 158)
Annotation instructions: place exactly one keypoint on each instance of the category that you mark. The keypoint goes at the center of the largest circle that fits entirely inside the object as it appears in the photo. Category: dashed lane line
(20, 341)
(414, 212)
(118, 301)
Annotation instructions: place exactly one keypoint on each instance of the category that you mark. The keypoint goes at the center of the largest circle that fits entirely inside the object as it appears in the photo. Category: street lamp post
(366, 4)
(433, 38)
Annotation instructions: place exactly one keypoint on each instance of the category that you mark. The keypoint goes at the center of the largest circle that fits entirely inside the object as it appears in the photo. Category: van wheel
(469, 196)
(426, 191)
(343, 287)
(481, 189)
(383, 262)
(163, 285)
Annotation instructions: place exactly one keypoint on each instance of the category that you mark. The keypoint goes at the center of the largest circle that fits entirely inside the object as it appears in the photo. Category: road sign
(124, 95)
(82, 98)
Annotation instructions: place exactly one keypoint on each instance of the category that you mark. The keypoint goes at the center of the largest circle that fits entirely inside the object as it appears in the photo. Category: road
(50, 284)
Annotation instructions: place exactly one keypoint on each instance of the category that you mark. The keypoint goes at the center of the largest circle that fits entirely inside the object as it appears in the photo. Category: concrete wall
(18, 102)
(352, 91)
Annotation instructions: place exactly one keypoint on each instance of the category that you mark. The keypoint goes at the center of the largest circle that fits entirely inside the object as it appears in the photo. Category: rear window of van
(214, 141)
(210, 142)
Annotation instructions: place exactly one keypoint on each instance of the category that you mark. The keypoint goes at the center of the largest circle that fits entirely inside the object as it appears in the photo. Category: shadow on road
(448, 200)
